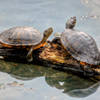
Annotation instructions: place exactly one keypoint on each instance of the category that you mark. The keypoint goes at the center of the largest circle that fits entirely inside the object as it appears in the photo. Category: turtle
(24, 37)
(80, 45)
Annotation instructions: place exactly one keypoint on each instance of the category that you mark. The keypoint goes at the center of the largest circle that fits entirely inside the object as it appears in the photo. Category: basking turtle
(24, 37)
(80, 45)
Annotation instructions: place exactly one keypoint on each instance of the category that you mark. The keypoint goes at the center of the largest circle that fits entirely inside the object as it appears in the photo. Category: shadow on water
(69, 84)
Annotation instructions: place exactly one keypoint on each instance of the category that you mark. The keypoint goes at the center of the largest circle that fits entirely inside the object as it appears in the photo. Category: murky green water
(30, 82)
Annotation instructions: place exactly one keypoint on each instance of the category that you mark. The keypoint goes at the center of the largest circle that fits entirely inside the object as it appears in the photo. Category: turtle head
(47, 33)
(71, 23)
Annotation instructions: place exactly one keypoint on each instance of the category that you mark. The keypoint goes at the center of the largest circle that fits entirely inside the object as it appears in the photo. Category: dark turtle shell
(81, 46)
(21, 36)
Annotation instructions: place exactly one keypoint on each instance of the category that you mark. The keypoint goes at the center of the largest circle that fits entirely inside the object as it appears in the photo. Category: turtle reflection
(72, 85)
(69, 84)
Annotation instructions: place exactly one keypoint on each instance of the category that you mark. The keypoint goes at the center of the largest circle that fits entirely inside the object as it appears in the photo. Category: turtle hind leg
(29, 55)
(86, 69)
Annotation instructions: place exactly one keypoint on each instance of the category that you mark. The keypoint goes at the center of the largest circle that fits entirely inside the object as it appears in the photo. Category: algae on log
(53, 55)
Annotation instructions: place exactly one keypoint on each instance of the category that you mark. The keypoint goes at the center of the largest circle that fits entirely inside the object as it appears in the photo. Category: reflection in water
(67, 83)
(72, 85)
(85, 91)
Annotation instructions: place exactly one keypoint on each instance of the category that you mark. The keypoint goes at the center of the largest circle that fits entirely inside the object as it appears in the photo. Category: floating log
(53, 55)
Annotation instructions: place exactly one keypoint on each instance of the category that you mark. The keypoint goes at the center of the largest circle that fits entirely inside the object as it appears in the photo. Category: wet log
(53, 55)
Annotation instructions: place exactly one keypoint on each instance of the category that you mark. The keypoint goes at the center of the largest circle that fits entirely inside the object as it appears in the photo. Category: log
(52, 55)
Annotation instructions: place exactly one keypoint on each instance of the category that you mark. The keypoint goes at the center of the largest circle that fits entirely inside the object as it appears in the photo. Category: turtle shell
(81, 46)
(21, 36)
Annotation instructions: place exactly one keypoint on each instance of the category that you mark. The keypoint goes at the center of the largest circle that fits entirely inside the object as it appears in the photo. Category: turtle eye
(45, 33)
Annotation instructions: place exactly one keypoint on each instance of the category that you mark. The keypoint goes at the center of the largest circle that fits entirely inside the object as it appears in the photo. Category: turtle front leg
(29, 55)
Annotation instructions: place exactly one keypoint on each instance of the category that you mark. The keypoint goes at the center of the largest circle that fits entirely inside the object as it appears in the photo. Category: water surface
(30, 82)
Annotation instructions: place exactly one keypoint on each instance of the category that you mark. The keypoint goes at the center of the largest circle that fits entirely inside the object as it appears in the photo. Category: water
(30, 82)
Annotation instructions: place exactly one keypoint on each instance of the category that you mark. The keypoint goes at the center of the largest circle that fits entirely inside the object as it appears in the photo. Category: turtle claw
(29, 59)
